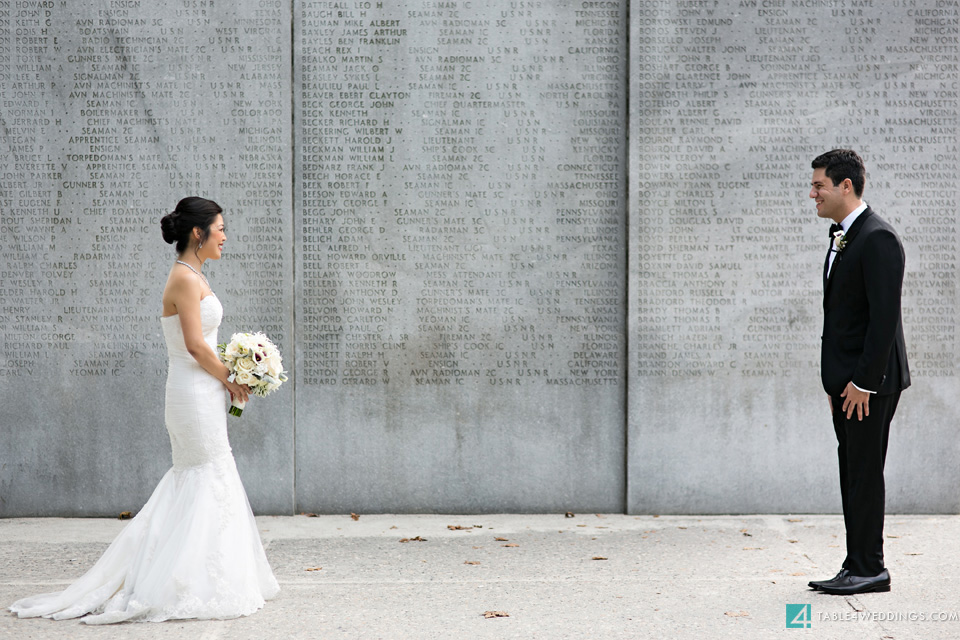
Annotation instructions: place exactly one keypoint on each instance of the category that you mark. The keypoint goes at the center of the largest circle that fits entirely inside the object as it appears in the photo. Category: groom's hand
(854, 398)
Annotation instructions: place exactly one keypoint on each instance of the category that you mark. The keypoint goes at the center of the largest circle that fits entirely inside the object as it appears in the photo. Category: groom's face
(830, 198)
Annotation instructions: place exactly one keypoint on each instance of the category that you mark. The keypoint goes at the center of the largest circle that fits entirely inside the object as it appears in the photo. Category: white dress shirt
(846, 223)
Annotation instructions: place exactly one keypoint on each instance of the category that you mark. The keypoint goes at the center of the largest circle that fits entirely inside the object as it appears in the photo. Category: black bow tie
(834, 228)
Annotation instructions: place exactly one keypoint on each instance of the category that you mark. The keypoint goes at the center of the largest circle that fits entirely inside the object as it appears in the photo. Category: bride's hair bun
(191, 212)
(168, 227)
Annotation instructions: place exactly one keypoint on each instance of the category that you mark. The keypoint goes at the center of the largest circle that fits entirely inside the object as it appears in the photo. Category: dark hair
(841, 164)
(190, 212)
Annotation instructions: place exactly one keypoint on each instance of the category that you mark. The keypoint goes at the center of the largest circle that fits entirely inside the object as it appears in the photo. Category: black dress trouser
(862, 450)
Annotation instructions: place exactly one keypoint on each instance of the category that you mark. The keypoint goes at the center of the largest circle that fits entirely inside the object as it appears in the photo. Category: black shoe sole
(878, 589)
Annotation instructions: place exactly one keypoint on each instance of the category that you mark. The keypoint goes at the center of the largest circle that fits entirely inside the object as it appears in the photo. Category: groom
(863, 359)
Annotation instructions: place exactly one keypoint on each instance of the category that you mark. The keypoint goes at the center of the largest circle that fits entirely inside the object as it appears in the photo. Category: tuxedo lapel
(849, 237)
(857, 224)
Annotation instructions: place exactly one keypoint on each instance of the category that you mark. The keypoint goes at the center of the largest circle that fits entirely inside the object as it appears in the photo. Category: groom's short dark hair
(841, 164)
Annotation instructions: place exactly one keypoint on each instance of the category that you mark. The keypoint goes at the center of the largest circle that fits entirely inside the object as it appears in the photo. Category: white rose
(232, 351)
(274, 362)
(245, 365)
(270, 373)
(245, 377)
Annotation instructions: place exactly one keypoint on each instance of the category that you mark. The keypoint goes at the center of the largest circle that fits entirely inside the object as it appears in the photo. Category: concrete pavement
(590, 576)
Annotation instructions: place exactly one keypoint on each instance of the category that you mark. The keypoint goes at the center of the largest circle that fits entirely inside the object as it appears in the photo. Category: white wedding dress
(193, 551)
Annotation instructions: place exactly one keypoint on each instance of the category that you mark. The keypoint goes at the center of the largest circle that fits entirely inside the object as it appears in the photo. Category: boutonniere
(839, 241)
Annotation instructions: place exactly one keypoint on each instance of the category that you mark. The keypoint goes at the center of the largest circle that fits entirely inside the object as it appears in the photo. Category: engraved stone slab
(111, 113)
(460, 205)
(455, 241)
(730, 103)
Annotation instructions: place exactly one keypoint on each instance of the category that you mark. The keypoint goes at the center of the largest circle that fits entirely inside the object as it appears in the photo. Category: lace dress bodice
(197, 425)
(211, 313)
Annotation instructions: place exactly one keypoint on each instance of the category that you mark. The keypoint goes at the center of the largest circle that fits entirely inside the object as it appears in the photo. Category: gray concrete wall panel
(460, 292)
(731, 102)
(111, 113)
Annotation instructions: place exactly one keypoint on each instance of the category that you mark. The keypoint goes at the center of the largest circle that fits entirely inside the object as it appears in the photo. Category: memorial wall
(497, 286)
(111, 112)
(461, 195)
(730, 103)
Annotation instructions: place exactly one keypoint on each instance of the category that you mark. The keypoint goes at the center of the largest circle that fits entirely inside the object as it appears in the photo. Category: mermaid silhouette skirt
(193, 550)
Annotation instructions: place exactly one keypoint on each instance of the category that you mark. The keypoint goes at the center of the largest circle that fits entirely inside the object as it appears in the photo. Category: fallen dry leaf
(502, 539)
(749, 535)
(736, 614)
(798, 573)
(314, 568)
(309, 515)
(598, 558)
(457, 527)
(354, 516)
(496, 614)
(793, 541)
(417, 539)
(126, 515)
(753, 548)
(569, 514)
(471, 562)
(512, 544)
(794, 519)
(394, 527)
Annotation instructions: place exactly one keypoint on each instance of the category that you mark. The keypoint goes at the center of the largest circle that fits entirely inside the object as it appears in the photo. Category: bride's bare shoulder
(182, 285)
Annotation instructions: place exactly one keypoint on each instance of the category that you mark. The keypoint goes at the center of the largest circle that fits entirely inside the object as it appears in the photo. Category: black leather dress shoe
(816, 584)
(849, 584)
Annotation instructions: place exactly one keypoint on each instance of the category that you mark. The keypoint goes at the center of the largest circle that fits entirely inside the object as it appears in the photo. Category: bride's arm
(185, 293)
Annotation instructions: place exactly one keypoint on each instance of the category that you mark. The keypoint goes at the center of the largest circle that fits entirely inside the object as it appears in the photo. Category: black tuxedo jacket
(862, 337)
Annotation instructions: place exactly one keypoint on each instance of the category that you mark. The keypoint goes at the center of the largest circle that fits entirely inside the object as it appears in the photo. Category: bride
(193, 551)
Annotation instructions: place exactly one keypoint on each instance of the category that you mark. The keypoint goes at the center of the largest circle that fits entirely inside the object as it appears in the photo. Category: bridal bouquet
(254, 361)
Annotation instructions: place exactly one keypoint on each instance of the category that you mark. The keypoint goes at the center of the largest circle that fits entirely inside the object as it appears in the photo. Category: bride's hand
(238, 392)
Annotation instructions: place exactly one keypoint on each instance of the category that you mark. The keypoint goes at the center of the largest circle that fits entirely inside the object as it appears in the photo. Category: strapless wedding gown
(193, 551)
